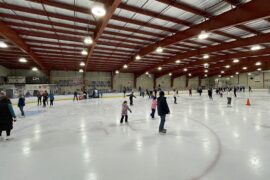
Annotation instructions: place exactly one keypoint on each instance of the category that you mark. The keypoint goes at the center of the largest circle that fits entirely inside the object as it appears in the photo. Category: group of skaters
(44, 98)
(159, 103)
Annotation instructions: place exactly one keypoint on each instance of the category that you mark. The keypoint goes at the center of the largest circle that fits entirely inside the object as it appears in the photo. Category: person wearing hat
(7, 115)
(163, 110)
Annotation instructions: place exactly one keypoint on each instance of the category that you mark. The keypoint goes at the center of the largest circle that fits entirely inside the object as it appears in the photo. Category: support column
(172, 78)
(84, 81)
(155, 82)
(187, 81)
(263, 79)
(135, 81)
(112, 76)
(200, 81)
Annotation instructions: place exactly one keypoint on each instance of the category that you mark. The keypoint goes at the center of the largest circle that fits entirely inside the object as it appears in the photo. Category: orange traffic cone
(248, 102)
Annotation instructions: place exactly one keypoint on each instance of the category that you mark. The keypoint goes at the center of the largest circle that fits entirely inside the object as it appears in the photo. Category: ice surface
(84, 141)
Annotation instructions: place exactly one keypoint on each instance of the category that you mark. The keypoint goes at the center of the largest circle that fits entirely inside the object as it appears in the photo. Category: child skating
(153, 107)
(21, 104)
(131, 96)
(174, 96)
(51, 96)
(229, 98)
(124, 113)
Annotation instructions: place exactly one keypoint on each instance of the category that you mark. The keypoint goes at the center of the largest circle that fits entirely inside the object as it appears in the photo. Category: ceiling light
(189, 74)
(244, 68)
(258, 63)
(177, 61)
(82, 64)
(116, 72)
(203, 35)
(206, 65)
(205, 75)
(206, 56)
(3, 44)
(206, 71)
(255, 48)
(237, 73)
(222, 72)
(159, 68)
(170, 74)
(147, 73)
(185, 69)
(159, 50)
(138, 57)
(98, 9)
(84, 52)
(219, 75)
(232, 76)
(81, 70)
(88, 40)
(235, 60)
(249, 74)
(125, 66)
(23, 60)
(34, 69)
(259, 69)
(228, 66)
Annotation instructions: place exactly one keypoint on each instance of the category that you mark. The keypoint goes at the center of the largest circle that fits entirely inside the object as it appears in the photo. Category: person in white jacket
(229, 98)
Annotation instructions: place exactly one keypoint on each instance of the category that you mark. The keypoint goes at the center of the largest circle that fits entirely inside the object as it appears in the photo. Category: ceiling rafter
(12, 36)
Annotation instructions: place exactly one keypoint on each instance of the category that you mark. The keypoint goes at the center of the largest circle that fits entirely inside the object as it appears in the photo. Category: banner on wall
(16, 79)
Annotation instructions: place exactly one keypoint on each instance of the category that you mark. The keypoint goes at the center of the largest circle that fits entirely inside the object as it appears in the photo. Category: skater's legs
(162, 122)
(21, 109)
(8, 132)
(122, 118)
(126, 118)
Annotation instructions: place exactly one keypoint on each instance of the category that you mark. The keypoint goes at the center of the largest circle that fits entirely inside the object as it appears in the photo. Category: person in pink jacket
(125, 109)
(153, 107)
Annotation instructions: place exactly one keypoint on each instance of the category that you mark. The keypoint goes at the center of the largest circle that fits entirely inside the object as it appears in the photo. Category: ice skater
(163, 110)
(153, 107)
(174, 96)
(21, 104)
(131, 96)
(234, 91)
(7, 115)
(45, 98)
(75, 96)
(249, 89)
(51, 96)
(39, 96)
(124, 113)
(190, 91)
(210, 93)
(200, 91)
(229, 98)
(124, 91)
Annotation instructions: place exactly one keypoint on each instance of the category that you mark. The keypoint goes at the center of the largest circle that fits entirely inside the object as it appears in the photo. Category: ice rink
(84, 141)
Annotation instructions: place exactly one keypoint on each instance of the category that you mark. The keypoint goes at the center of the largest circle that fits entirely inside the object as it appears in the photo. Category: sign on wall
(16, 79)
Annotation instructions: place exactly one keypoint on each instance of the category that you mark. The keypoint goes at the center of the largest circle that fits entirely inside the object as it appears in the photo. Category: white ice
(84, 141)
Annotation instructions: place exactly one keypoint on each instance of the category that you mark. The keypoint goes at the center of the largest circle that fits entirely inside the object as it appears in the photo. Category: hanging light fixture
(205, 75)
(203, 35)
(259, 69)
(81, 70)
(206, 71)
(227, 66)
(98, 9)
(116, 72)
(185, 69)
(138, 57)
(147, 73)
(125, 66)
(206, 56)
(258, 64)
(3, 44)
(206, 65)
(255, 48)
(222, 72)
(159, 68)
(23, 60)
(34, 69)
(177, 61)
(88, 40)
(159, 49)
(170, 74)
(244, 68)
(82, 64)
(235, 60)
(84, 52)
(237, 73)
(189, 74)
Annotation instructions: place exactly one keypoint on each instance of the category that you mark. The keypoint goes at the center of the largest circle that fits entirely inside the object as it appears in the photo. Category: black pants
(7, 131)
(153, 113)
(22, 111)
(39, 101)
(131, 102)
(175, 100)
(162, 123)
(51, 102)
(122, 118)
(44, 102)
(229, 100)
(235, 94)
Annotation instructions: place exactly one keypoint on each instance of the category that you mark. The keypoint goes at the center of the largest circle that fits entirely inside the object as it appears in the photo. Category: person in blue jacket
(7, 115)
(21, 104)
(51, 96)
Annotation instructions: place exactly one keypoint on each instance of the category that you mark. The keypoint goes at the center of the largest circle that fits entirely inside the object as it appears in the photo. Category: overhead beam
(12, 36)
(100, 28)
(224, 20)
(225, 46)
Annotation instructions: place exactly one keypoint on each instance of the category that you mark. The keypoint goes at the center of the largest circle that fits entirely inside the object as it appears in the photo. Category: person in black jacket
(163, 109)
(131, 96)
(7, 115)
